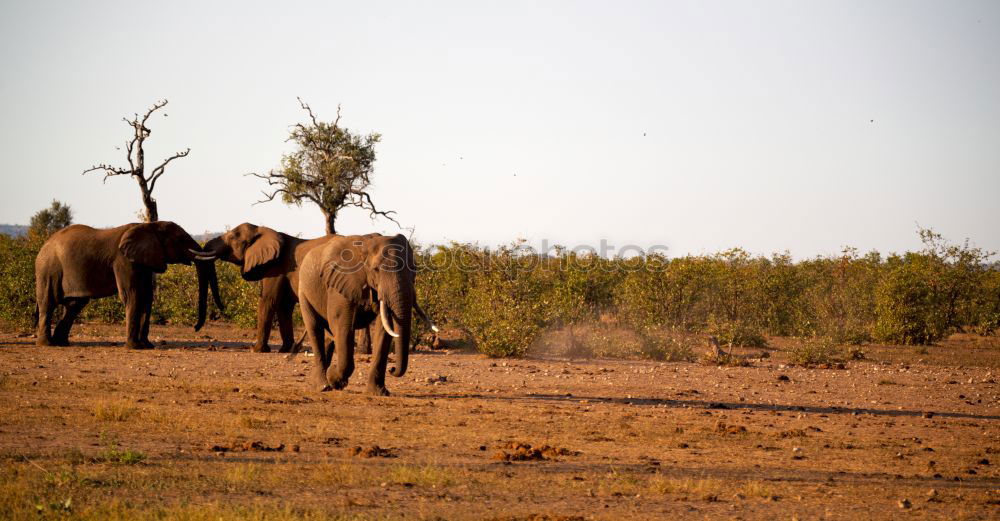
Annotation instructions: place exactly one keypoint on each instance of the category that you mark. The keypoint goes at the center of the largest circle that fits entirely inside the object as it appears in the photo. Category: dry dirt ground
(200, 428)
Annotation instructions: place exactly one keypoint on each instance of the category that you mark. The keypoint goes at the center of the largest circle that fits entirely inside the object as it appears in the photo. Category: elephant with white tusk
(79, 263)
(354, 282)
(272, 258)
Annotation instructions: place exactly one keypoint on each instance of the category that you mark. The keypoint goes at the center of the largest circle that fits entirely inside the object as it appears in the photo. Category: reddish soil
(201, 425)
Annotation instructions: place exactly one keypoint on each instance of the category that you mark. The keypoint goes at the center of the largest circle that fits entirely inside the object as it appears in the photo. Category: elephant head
(379, 271)
(157, 244)
(254, 248)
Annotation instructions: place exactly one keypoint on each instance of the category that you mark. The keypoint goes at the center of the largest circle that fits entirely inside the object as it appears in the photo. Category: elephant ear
(265, 249)
(141, 245)
(344, 269)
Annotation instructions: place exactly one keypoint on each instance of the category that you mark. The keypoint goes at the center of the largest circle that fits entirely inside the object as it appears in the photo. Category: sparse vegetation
(707, 489)
(427, 476)
(114, 454)
(510, 299)
(639, 436)
(725, 359)
(811, 352)
(114, 411)
(252, 422)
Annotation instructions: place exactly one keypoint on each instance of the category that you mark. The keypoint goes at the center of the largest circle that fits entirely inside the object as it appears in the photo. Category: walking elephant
(79, 263)
(272, 258)
(354, 282)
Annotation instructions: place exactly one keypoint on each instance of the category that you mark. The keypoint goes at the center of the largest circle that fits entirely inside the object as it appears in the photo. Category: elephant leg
(381, 345)
(133, 323)
(60, 337)
(270, 297)
(285, 326)
(133, 318)
(130, 287)
(265, 319)
(366, 341)
(342, 325)
(148, 291)
(46, 307)
(316, 330)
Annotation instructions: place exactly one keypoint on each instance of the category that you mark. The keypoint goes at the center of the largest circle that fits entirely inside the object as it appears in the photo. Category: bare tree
(331, 167)
(137, 162)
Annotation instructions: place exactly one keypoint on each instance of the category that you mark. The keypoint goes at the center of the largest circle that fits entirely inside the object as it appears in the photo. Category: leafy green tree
(50, 220)
(330, 167)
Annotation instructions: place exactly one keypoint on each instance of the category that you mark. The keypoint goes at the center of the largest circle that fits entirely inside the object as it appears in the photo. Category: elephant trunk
(202, 292)
(207, 279)
(399, 301)
(217, 247)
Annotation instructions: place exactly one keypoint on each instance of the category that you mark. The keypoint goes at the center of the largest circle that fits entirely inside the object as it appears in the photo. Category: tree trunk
(147, 199)
(151, 214)
(330, 218)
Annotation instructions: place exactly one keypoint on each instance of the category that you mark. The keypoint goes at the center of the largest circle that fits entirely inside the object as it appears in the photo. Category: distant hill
(202, 237)
(14, 230)
(20, 230)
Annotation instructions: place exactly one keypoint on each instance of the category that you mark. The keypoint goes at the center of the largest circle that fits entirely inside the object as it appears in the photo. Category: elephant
(79, 263)
(353, 282)
(272, 258)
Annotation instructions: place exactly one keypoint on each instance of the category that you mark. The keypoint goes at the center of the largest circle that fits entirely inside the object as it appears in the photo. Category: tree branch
(158, 171)
(306, 107)
(312, 117)
(365, 202)
(156, 106)
(270, 196)
(136, 160)
(108, 171)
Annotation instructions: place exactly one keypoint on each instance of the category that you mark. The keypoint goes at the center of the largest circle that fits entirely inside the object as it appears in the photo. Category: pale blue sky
(757, 116)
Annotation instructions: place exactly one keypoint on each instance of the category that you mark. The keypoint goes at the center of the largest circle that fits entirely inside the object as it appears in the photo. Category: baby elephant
(352, 282)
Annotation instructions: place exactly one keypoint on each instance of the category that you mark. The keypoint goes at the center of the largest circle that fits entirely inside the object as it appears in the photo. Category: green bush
(923, 297)
(814, 351)
(503, 309)
(506, 298)
(17, 281)
(738, 334)
(239, 296)
(908, 308)
(984, 309)
(668, 346)
(839, 298)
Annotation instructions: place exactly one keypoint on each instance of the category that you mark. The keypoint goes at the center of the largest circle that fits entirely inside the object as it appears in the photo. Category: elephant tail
(36, 316)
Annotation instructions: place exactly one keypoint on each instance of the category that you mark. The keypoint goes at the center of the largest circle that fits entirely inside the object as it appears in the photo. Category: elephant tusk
(200, 255)
(423, 315)
(385, 321)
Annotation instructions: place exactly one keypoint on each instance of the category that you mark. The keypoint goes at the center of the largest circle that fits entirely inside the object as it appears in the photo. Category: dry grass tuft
(251, 422)
(725, 359)
(755, 488)
(708, 489)
(243, 474)
(423, 475)
(114, 411)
